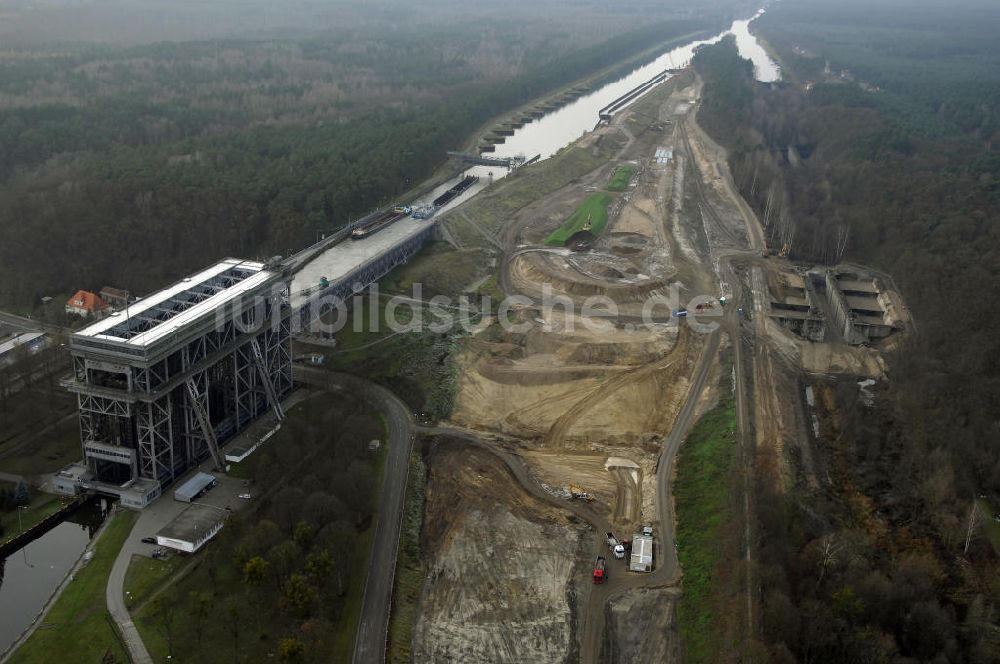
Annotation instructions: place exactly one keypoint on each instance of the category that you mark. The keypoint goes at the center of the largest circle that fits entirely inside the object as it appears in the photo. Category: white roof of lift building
(104, 329)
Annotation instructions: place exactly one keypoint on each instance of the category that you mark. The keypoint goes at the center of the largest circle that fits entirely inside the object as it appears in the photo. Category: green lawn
(621, 177)
(593, 209)
(146, 576)
(78, 629)
(704, 470)
(41, 506)
(493, 208)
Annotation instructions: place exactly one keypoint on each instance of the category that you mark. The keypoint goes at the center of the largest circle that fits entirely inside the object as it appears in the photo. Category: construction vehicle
(616, 547)
(600, 574)
(578, 493)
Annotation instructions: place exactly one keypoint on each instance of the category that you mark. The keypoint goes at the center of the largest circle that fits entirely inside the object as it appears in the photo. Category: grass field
(703, 473)
(493, 208)
(42, 505)
(77, 629)
(409, 570)
(146, 576)
(593, 209)
(621, 177)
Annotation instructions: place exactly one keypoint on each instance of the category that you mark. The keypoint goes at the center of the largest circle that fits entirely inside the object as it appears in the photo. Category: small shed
(194, 487)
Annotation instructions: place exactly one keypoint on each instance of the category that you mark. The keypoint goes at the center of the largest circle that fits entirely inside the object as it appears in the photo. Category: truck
(599, 572)
(616, 547)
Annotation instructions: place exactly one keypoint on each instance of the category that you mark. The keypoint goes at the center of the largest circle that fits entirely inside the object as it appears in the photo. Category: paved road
(115, 598)
(369, 644)
(23, 324)
(149, 522)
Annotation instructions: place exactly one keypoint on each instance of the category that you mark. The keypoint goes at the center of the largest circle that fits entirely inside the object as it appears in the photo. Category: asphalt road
(22, 324)
(370, 642)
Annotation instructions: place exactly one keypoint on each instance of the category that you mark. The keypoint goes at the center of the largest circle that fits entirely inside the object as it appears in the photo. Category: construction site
(550, 531)
(586, 411)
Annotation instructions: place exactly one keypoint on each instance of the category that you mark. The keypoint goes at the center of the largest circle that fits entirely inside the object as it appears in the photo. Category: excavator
(578, 492)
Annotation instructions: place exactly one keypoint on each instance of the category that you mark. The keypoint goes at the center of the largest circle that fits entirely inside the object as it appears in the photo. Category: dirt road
(666, 572)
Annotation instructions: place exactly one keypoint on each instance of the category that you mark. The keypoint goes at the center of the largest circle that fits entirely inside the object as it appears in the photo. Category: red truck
(599, 574)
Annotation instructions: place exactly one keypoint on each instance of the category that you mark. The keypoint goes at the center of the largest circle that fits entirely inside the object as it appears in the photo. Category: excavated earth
(507, 568)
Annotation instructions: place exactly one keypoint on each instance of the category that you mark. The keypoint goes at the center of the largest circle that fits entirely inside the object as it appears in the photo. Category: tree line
(871, 167)
(137, 193)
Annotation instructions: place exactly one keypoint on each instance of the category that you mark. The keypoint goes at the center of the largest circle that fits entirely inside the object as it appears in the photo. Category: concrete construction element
(847, 304)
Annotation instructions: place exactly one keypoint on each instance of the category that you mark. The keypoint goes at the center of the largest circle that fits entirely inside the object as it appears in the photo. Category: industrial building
(190, 531)
(164, 385)
(32, 342)
(194, 487)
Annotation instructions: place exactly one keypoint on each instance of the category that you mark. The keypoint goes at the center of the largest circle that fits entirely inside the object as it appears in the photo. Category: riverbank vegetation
(133, 165)
(21, 508)
(78, 626)
(881, 146)
(287, 574)
(707, 536)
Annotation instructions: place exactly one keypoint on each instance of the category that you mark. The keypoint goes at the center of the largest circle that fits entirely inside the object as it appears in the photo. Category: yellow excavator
(576, 491)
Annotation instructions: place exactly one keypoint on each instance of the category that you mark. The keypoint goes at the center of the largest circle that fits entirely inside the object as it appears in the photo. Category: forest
(286, 574)
(132, 164)
(880, 146)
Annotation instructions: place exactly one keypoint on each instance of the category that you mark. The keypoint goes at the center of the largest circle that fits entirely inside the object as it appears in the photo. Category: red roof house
(84, 303)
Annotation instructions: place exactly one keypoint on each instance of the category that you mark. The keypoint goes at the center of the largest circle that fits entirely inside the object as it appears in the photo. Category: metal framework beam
(198, 407)
(265, 379)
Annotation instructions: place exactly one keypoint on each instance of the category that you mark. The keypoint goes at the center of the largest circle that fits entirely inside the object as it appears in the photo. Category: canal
(554, 131)
(29, 577)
